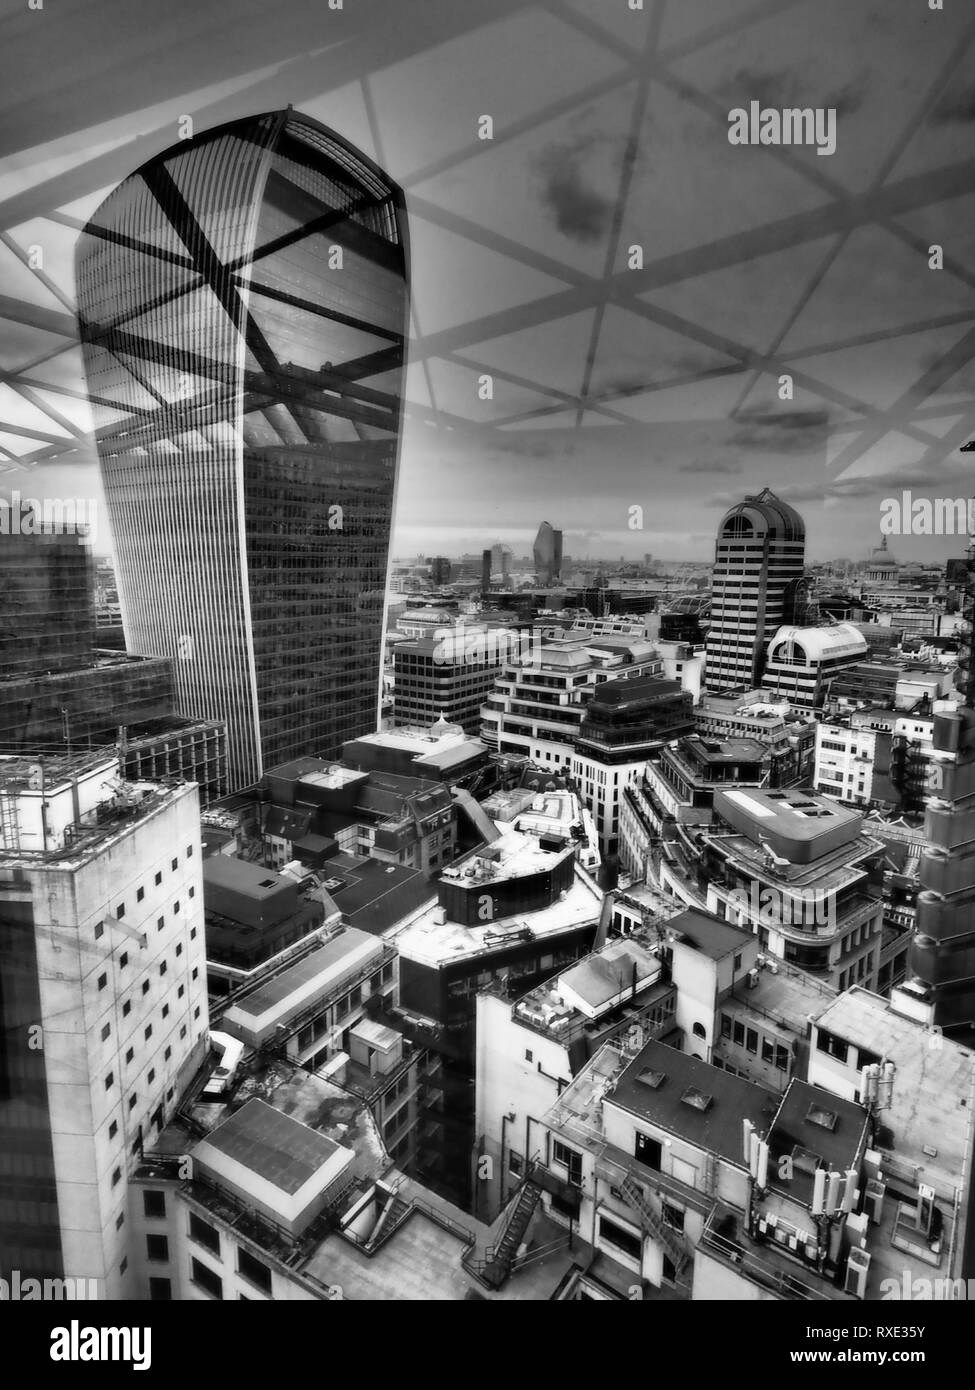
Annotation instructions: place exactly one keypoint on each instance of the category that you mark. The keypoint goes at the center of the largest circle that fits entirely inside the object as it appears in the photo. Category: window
(192, 933)
(124, 1265)
(99, 930)
(130, 1054)
(153, 1203)
(126, 1008)
(167, 1054)
(725, 1026)
(191, 891)
(165, 1011)
(516, 1164)
(160, 923)
(253, 1270)
(145, 986)
(179, 948)
(148, 1032)
(120, 910)
(529, 1055)
(140, 894)
(116, 1177)
(163, 968)
(570, 1160)
(109, 1080)
(204, 1234)
(673, 1216)
(739, 1033)
(158, 879)
(102, 981)
(181, 991)
(120, 1220)
(175, 865)
(624, 1240)
(751, 1040)
(205, 1279)
(132, 1100)
(698, 1030)
(176, 905)
(123, 960)
(160, 1290)
(189, 851)
(832, 1046)
(157, 1248)
(113, 1129)
(648, 1150)
(106, 1031)
(151, 1077)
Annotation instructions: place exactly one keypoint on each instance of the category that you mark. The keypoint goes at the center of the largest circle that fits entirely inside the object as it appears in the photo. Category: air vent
(805, 1161)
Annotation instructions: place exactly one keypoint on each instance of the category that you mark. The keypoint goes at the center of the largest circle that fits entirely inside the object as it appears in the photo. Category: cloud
(785, 431)
(579, 210)
(731, 466)
(956, 106)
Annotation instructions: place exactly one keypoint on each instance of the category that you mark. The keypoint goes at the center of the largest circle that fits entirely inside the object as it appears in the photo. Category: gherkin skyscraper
(243, 308)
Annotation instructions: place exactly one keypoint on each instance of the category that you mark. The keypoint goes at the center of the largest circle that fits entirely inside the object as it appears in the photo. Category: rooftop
(375, 896)
(708, 934)
(813, 1124)
(270, 1144)
(687, 1097)
(430, 941)
(933, 1100)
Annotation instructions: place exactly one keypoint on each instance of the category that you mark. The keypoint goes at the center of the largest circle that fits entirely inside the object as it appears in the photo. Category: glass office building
(243, 308)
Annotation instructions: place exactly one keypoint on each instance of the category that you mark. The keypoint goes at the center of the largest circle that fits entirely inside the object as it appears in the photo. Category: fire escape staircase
(654, 1226)
(500, 1259)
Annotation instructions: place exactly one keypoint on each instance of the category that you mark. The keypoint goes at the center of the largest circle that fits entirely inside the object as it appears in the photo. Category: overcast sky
(613, 388)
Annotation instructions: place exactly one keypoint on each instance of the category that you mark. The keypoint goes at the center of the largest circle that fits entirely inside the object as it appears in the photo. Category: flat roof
(796, 814)
(431, 942)
(821, 1124)
(619, 966)
(717, 1126)
(708, 934)
(933, 1095)
(347, 945)
(223, 871)
(278, 1149)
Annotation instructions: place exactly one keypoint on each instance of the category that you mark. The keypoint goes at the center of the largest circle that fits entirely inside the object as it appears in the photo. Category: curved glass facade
(243, 309)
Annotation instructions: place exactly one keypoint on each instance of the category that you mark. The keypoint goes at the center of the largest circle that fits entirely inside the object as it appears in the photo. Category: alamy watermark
(908, 515)
(764, 125)
(768, 907)
(18, 1288)
(33, 516)
(477, 646)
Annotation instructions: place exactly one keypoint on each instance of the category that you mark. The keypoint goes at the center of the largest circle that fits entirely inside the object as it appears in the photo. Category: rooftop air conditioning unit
(857, 1268)
(753, 979)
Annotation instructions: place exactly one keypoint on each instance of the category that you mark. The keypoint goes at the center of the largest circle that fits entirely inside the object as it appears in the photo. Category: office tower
(548, 555)
(757, 586)
(243, 300)
(450, 673)
(103, 1006)
(58, 692)
(485, 571)
(47, 601)
(501, 559)
(440, 570)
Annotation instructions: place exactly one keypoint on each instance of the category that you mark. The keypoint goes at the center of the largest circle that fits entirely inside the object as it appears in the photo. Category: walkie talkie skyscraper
(243, 308)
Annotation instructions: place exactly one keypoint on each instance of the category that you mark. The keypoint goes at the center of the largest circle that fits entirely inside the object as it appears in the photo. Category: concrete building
(446, 675)
(801, 662)
(557, 815)
(625, 723)
(438, 752)
(399, 820)
(757, 586)
(536, 707)
(103, 1004)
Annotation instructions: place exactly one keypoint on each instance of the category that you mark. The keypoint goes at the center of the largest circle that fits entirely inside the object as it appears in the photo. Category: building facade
(243, 300)
(756, 587)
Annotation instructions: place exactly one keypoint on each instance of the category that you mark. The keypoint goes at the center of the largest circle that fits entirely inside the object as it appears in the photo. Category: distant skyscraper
(548, 555)
(757, 586)
(243, 300)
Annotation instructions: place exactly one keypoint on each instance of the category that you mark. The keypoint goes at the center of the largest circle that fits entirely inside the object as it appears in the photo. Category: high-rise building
(548, 555)
(757, 587)
(243, 299)
(47, 601)
(103, 1004)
